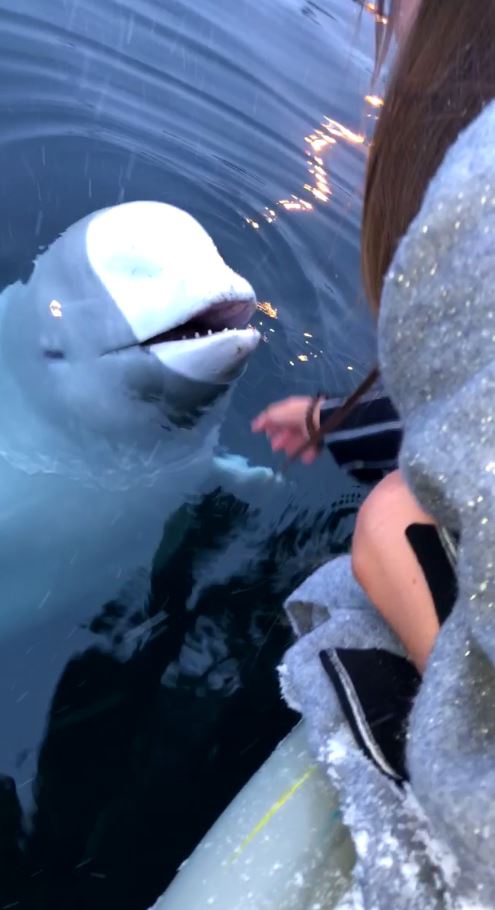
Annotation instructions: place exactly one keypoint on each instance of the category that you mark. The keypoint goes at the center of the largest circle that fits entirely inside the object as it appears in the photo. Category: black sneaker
(376, 690)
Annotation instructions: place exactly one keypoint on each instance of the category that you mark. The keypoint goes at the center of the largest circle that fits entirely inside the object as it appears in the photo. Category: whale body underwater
(116, 358)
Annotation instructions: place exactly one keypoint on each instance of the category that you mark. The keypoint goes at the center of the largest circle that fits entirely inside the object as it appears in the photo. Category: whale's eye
(54, 355)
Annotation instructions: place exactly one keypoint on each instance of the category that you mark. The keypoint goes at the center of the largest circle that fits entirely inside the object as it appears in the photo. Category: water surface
(252, 117)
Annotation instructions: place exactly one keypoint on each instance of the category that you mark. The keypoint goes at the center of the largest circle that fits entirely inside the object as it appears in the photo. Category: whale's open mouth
(221, 316)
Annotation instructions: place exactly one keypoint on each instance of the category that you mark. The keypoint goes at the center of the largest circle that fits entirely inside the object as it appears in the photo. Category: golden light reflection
(295, 205)
(319, 145)
(269, 215)
(372, 8)
(268, 309)
(374, 100)
(320, 141)
(328, 135)
(343, 132)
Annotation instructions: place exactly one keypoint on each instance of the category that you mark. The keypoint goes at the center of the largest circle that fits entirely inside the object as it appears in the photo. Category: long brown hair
(443, 76)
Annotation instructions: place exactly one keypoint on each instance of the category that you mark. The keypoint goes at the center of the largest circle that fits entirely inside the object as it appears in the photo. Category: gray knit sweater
(431, 846)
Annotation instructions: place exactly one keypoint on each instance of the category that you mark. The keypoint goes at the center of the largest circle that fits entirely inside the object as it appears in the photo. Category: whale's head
(183, 304)
(129, 320)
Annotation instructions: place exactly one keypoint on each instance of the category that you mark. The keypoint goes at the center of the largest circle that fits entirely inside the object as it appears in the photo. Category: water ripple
(211, 109)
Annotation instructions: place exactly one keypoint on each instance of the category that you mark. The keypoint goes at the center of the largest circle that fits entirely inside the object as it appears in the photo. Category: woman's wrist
(313, 417)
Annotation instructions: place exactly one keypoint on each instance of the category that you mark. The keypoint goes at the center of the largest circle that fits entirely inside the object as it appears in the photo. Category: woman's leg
(386, 566)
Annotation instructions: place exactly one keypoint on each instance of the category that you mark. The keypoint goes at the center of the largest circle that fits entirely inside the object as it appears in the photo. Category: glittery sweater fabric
(432, 845)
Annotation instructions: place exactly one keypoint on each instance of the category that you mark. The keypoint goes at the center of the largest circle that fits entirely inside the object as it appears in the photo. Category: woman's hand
(285, 425)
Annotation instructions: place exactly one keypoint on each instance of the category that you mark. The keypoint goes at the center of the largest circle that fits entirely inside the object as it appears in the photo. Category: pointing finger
(280, 440)
(309, 456)
(259, 423)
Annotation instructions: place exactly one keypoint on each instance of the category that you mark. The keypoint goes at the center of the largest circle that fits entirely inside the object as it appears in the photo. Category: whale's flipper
(234, 474)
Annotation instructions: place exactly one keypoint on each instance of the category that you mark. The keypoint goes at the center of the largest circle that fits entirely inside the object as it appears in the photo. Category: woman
(387, 563)
(428, 251)
(444, 76)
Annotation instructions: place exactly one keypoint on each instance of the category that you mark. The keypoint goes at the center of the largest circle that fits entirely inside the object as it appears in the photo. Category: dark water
(237, 112)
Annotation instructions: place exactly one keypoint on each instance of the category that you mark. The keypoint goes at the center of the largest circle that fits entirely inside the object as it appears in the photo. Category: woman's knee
(364, 542)
(381, 523)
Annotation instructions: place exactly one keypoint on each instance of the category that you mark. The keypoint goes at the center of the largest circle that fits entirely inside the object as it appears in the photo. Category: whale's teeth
(210, 332)
(196, 334)
(226, 329)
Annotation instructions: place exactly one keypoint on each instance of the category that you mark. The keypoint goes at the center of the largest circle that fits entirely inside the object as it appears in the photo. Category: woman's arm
(366, 444)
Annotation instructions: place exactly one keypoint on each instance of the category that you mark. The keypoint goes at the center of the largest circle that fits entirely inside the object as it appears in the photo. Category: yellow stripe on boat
(281, 802)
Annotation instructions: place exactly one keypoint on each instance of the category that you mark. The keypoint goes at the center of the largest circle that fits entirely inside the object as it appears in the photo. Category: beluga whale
(116, 360)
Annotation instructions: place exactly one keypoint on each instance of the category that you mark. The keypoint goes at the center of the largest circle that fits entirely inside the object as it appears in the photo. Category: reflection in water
(330, 133)
(320, 141)
(372, 8)
(374, 100)
(268, 310)
(326, 137)
(154, 728)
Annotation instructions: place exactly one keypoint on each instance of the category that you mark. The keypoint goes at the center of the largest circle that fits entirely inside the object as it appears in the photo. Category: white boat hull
(280, 845)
